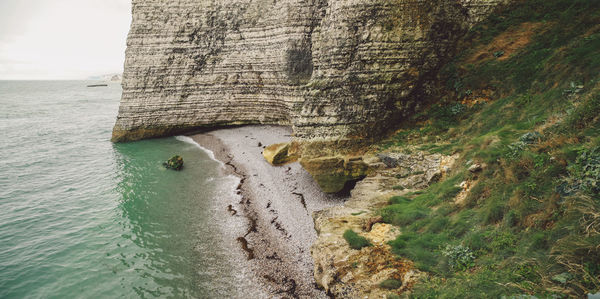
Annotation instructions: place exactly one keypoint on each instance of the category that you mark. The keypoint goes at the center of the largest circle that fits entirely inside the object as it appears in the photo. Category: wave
(235, 179)
(191, 141)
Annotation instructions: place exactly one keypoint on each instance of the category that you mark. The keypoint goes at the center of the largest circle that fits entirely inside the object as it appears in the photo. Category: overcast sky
(62, 39)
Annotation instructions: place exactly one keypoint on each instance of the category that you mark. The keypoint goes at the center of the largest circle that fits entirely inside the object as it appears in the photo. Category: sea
(81, 217)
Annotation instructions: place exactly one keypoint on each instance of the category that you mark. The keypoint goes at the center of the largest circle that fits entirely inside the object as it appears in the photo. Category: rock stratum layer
(340, 72)
(333, 69)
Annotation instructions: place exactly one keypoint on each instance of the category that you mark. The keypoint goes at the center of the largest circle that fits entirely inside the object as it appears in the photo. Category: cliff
(340, 72)
(493, 189)
(332, 69)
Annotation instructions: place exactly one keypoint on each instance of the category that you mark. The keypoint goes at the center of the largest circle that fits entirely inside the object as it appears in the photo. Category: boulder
(477, 167)
(175, 163)
(334, 173)
(279, 154)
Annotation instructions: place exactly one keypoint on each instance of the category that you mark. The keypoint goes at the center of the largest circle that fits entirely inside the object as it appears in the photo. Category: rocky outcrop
(347, 273)
(279, 154)
(416, 170)
(341, 72)
(334, 174)
(175, 163)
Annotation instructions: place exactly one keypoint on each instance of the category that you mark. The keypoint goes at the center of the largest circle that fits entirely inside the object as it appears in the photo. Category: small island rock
(175, 163)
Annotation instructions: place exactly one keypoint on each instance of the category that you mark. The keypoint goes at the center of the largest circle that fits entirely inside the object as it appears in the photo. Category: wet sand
(276, 205)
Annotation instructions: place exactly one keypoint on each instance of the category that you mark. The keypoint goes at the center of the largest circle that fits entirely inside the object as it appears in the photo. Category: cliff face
(339, 71)
(369, 60)
(333, 69)
(192, 64)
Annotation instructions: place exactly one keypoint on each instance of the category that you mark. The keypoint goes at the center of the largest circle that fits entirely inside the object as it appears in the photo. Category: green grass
(355, 241)
(533, 212)
(584, 115)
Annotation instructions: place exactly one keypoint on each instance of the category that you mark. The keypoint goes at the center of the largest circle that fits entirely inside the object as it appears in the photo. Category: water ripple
(81, 217)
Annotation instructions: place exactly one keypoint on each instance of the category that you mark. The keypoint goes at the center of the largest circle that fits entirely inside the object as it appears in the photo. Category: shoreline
(276, 205)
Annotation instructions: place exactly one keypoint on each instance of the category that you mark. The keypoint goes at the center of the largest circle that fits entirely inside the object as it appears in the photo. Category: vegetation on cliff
(520, 104)
(355, 240)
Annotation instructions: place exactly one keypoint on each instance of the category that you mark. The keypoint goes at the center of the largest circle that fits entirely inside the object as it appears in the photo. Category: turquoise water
(81, 217)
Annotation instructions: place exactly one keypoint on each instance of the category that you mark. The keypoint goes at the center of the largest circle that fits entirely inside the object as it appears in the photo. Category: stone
(390, 160)
(278, 154)
(477, 167)
(175, 163)
(391, 284)
(334, 173)
(418, 169)
(372, 221)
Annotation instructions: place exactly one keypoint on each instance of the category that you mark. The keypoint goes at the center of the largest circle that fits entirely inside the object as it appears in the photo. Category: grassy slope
(531, 222)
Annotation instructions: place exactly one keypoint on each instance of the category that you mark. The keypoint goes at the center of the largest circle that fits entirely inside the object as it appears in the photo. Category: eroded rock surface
(335, 70)
(334, 174)
(347, 273)
(279, 154)
(340, 72)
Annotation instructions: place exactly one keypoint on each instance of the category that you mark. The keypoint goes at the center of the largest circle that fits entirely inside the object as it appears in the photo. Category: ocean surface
(81, 217)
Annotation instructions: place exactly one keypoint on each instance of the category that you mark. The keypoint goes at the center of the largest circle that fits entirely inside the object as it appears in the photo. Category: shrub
(399, 200)
(589, 169)
(355, 240)
(584, 174)
(584, 115)
(501, 241)
(530, 138)
(511, 218)
(515, 149)
(494, 212)
(438, 224)
(476, 241)
(403, 213)
(391, 284)
(538, 241)
(420, 248)
(459, 257)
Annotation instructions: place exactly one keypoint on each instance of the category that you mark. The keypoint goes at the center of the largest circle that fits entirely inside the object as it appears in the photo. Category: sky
(62, 39)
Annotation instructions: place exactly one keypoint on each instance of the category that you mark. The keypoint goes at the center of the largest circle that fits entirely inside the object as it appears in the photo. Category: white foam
(235, 179)
(210, 153)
